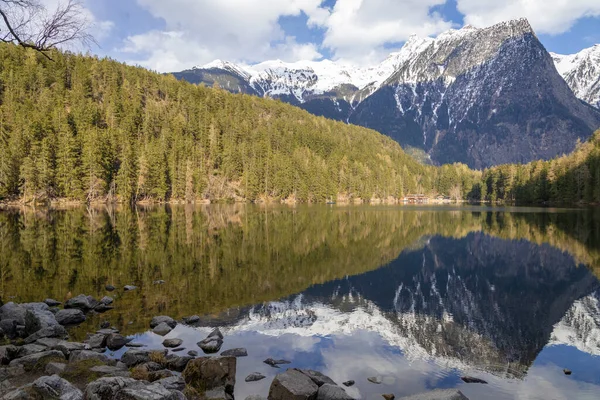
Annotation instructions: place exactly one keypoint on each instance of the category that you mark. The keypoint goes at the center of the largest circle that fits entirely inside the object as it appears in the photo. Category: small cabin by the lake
(416, 199)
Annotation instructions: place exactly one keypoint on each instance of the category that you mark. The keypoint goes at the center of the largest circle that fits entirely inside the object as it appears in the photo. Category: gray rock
(38, 316)
(158, 375)
(8, 353)
(292, 385)
(178, 363)
(97, 340)
(82, 302)
(349, 383)
(126, 389)
(332, 392)
(193, 353)
(100, 308)
(108, 370)
(172, 342)
(115, 341)
(172, 383)
(81, 355)
(217, 394)
(211, 345)
(133, 344)
(162, 329)
(442, 394)
(239, 352)
(318, 378)
(255, 397)
(53, 368)
(215, 333)
(52, 302)
(133, 357)
(9, 328)
(177, 395)
(70, 316)
(127, 288)
(107, 331)
(49, 342)
(191, 320)
(105, 325)
(163, 319)
(54, 387)
(30, 349)
(56, 331)
(13, 311)
(68, 347)
(107, 300)
(110, 288)
(375, 379)
(207, 373)
(178, 349)
(30, 361)
(254, 377)
(22, 393)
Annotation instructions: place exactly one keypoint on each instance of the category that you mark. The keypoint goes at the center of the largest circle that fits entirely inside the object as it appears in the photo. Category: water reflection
(419, 296)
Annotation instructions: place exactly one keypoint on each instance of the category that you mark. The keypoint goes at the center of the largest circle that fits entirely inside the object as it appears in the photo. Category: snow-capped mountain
(479, 96)
(580, 327)
(582, 72)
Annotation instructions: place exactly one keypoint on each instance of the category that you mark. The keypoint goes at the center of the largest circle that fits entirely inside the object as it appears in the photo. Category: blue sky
(178, 34)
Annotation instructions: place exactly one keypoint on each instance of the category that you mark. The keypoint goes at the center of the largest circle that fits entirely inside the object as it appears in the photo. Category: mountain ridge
(479, 96)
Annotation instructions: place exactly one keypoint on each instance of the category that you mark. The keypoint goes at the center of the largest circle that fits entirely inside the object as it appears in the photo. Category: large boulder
(70, 316)
(293, 385)
(127, 389)
(13, 311)
(172, 383)
(38, 316)
(440, 394)
(115, 341)
(178, 363)
(133, 357)
(30, 349)
(9, 328)
(163, 319)
(68, 347)
(96, 340)
(332, 392)
(82, 302)
(54, 387)
(37, 360)
(56, 331)
(208, 373)
(317, 377)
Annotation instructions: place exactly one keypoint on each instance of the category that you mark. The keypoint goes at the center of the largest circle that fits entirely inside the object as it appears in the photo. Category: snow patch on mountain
(582, 72)
(580, 327)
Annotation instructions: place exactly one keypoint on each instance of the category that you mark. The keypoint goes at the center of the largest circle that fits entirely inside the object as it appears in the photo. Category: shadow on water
(418, 295)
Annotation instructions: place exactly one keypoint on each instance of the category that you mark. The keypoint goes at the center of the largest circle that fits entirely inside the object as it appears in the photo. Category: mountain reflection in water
(417, 295)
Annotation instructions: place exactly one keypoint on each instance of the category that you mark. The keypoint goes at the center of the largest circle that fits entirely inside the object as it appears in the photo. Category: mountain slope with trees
(90, 129)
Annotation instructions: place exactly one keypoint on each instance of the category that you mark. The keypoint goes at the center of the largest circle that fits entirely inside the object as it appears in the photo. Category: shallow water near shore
(417, 295)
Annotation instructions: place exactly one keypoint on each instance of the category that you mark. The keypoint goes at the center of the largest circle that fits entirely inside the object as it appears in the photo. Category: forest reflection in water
(418, 294)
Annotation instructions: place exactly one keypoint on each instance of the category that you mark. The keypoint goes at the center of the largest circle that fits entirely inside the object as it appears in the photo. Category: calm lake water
(420, 296)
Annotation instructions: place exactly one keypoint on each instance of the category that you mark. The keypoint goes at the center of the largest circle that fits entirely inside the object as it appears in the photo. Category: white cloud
(545, 16)
(358, 29)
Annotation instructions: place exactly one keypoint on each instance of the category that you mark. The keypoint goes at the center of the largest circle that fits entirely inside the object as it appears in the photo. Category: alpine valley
(478, 96)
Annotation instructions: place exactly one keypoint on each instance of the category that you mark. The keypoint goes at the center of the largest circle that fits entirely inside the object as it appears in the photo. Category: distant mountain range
(478, 96)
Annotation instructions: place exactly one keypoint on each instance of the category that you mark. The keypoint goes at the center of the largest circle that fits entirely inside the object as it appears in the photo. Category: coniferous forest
(91, 130)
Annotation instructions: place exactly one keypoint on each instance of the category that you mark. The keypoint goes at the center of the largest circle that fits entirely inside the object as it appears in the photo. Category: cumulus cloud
(545, 16)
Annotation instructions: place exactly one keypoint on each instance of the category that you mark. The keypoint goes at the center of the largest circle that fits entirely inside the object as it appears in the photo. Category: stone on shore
(37, 317)
(441, 394)
(115, 341)
(37, 360)
(163, 319)
(292, 385)
(54, 387)
(30, 349)
(68, 347)
(56, 331)
(96, 340)
(178, 363)
(82, 302)
(82, 355)
(317, 377)
(207, 373)
(8, 353)
(70, 316)
(53, 368)
(52, 302)
(162, 329)
(126, 389)
(13, 311)
(191, 320)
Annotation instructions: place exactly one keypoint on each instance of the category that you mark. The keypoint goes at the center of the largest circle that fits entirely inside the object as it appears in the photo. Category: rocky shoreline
(39, 362)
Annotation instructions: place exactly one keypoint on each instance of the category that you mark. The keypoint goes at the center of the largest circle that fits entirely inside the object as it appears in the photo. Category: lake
(417, 295)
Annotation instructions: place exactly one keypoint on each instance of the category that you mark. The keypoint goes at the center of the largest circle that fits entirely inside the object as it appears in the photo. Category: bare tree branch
(29, 24)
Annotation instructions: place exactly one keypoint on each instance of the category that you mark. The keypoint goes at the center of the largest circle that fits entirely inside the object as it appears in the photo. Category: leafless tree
(30, 24)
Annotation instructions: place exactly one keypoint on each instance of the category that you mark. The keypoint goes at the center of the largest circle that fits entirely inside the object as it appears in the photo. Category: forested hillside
(570, 179)
(91, 129)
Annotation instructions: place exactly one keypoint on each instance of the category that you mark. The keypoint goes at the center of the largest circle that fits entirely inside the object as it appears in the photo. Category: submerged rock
(70, 316)
(275, 363)
(292, 385)
(174, 342)
(162, 329)
(470, 379)
(254, 377)
(239, 352)
(349, 383)
(442, 394)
